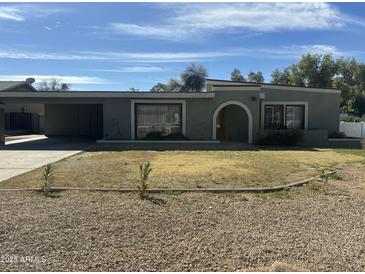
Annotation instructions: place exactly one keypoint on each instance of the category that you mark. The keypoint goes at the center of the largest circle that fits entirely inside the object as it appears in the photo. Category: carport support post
(2, 125)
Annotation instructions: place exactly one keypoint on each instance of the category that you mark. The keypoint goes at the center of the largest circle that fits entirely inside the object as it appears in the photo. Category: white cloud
(162, 57)
(141, 57)
(16, 54)
(296, 51)
(21, 12)
(11, 13)
(283, 52)
(149, 31)
(194, 20)
(134, 69)
(70, 79)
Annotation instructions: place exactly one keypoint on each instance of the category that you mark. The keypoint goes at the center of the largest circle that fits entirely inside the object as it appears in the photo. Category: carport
(79, 120)
(66, 114)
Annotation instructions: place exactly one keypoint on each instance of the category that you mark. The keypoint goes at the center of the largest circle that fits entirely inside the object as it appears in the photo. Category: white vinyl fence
(352, 129)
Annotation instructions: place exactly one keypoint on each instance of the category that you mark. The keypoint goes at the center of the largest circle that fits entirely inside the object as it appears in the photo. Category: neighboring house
(22, 117)
(227, 111)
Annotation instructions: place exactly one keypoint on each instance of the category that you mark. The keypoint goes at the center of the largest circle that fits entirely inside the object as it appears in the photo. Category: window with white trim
(162, 118)
(284, 116)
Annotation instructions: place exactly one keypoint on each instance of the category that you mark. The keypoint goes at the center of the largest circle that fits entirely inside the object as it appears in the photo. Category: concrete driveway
(19, 157)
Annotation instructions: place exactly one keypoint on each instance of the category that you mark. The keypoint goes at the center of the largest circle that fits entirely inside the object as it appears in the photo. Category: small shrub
(336, 177)
(142, 187)
(288, 137)
(315, 187)
(47, 174)
(337, 135)
(176, 136)
(324, 176)
(157, 135)
(153, 135)
(350, 118)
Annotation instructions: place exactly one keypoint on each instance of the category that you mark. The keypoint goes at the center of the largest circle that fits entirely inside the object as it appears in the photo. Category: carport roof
(101, 94)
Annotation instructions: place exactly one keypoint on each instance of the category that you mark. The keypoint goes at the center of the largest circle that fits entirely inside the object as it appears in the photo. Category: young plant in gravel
(142, 187)
(47, 174)
(324, 178)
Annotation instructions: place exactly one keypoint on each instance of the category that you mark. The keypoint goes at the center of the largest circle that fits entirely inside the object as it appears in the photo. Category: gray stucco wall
(2, 126)
(323, 112)
(117, 119)
(323, 108)
(199, 116)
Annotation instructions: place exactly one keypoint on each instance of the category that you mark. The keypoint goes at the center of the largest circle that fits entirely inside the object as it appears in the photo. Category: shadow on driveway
(51, 143)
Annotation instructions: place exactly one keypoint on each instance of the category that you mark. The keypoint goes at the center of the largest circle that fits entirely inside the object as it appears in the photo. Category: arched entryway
(232, 121)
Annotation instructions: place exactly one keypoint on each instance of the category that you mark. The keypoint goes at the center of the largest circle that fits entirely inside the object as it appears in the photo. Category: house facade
(227, 111)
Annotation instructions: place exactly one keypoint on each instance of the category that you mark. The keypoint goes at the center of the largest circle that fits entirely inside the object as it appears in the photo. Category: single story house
(225, 111)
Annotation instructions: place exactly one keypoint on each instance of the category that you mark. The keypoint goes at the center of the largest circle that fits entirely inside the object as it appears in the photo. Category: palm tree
(193, 78)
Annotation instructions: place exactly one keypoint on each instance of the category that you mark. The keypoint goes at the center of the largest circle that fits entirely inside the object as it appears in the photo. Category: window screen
(295, 116)
(274, 117)
(163, 118)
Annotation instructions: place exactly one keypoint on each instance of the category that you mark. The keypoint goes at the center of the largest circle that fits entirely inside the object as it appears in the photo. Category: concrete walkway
(20, 157)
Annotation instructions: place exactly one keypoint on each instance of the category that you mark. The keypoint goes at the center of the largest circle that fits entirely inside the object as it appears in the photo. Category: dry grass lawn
(190, 169)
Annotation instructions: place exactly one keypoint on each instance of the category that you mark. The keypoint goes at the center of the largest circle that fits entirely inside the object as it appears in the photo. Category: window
(274, 116)
(295, 116)
(163, 118)
(281, 116)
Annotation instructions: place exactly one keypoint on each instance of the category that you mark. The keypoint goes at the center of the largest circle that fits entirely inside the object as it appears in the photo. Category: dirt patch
(351, 178)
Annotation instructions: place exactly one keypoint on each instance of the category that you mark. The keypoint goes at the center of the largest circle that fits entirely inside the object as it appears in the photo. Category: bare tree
(53, 84)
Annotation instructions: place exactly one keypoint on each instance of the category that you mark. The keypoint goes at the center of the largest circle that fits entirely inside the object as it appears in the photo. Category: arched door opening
(232, 122)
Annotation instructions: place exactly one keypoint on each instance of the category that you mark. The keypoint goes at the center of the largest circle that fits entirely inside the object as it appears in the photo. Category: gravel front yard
(197, 232)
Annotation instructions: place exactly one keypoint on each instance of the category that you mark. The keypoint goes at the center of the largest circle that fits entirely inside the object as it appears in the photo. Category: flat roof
(269, 85)
(103, 94)
(265, 84)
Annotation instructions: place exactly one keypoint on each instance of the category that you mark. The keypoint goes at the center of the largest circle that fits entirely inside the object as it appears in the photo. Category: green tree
(348, 80)
(322, 71)
(317, 70)
(255, 77)
(237, 76)
(360, 77)
(280, 77)
(359, 104)
(193, 78)
(159, 87)
(296, 77)
(174, 85)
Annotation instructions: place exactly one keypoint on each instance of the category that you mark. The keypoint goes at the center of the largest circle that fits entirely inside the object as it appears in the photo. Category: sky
(117, 46)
